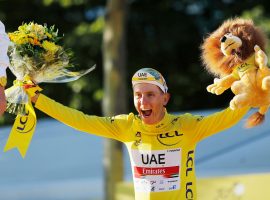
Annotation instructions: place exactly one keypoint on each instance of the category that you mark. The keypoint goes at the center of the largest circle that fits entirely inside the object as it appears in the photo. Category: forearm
(101, 126)
(219, 121)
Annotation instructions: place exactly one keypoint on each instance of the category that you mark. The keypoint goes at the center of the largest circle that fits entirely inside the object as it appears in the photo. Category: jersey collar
(154, 129)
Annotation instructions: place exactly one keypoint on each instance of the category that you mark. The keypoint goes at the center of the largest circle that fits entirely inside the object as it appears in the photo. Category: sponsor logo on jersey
(170, 138)
(138, 138)
(156, 170)
(174, 120)
(189, 170)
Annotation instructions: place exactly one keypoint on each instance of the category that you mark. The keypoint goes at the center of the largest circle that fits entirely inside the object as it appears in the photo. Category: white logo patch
(156, 170)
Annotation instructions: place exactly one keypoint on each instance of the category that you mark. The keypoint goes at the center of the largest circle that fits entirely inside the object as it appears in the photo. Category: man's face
(149, 101)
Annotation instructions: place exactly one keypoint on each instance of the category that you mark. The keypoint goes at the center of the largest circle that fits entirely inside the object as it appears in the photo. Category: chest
(166, 140)
(158, 160)
(246, 71)
(158, 150)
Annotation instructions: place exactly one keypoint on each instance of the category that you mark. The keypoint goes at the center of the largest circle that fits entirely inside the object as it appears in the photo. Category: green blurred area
(165, 35)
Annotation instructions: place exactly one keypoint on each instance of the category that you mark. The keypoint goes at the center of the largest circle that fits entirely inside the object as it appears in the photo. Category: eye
(137, 96)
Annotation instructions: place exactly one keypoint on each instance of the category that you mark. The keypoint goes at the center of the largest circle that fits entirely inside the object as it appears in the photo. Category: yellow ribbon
(23, 128)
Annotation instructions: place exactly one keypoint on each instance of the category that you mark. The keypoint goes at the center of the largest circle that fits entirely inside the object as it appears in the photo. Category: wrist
(35, 98)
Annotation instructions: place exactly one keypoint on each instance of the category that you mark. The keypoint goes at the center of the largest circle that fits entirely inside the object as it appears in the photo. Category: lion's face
(231, 44)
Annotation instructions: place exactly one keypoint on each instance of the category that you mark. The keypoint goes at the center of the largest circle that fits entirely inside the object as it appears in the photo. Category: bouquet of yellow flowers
(35, 56)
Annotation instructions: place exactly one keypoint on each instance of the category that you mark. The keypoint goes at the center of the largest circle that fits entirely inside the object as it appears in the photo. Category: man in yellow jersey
(4, 63)
(161, 145)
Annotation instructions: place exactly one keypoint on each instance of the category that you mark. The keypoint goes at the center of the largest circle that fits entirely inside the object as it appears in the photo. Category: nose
(223, 39)
(143, 100)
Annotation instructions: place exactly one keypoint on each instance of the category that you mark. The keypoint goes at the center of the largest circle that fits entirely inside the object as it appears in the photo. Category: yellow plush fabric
(235, 54)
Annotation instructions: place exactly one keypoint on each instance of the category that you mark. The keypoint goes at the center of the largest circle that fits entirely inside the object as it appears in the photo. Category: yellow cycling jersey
(162, 155)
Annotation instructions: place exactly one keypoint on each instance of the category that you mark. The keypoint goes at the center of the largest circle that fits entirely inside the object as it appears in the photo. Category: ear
(166, 98)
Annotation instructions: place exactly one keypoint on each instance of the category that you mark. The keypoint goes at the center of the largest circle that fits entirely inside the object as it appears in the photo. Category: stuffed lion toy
(235, 53)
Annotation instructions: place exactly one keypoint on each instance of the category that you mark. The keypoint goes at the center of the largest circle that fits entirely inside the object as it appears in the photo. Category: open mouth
(146, 113)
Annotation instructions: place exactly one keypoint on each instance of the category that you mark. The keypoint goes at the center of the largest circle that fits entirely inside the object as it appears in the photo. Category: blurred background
(166, 35)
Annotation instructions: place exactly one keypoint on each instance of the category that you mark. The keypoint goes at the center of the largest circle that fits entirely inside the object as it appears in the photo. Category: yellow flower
(18, 38)
(48, 35)
(50, 46)
(36, 28)
(22, 28)
(34, 41)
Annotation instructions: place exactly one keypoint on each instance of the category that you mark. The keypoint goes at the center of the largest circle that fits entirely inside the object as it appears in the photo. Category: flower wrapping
(36, 56)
